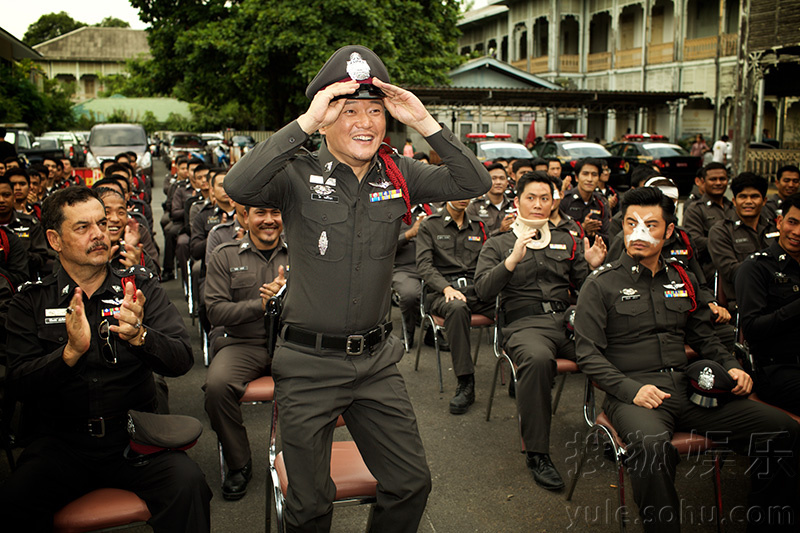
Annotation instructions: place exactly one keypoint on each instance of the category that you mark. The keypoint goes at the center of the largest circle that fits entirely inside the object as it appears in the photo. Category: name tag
(474, 238)
(443, 237)
(55, 320)
(316, 179)
(772, 234)
(631, 297)
(55, 312)
(321, 198)
(238, 269)
(744, 239)
(380, 196)
(676, 294)
(213, 220)
(557, 246)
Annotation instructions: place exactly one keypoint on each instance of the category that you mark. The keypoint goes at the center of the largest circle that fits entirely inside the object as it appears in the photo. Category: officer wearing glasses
(83, 345)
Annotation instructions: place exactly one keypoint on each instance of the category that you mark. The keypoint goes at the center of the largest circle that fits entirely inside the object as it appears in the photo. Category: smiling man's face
(354, 138)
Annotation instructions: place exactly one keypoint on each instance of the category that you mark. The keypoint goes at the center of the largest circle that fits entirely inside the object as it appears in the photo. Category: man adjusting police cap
(342, 207)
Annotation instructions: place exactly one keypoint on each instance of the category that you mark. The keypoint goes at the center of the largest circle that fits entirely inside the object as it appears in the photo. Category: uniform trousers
(533, 343)
(182, 253)
(457, 315)
(408, 286)
(771, 438)
(53, 471)
(171, 231)
(314, 387)
(780, 385)
(233, 367)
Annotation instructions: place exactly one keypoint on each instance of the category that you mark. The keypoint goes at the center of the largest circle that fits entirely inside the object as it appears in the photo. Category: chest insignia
(382, 184)
(109, 311)
(676, 294)
(474, 238)
(594, 212)
(239, 268)
(679, 252)
(482, 212)
(380, 196)
(674, 286)
(322, 190)
(117, 288)
(323, 243)
(314, 179)
(558, 246)
(628, 292)
(772, 234)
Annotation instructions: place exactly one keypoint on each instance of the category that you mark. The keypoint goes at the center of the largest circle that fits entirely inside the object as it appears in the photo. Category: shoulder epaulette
(136, 270)
(436, 214)
(228, 244)
(608, 267)
(758, 255)
(28, 285)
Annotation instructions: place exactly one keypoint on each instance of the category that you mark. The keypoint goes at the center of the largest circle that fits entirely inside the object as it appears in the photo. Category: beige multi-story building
(83, 55)
(687, 46)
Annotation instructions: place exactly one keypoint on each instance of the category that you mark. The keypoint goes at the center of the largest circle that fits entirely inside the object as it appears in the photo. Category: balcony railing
(521, 64)
(660, 53)
(570, 63)
(539, 65)
(599, 62)
(706, 47)
(629, 58)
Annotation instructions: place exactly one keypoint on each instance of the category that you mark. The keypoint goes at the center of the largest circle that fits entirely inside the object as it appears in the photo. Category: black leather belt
(461, 281)
(782, 360)
(350, 344)
(670, 369)
(537, 308)
(94, 427)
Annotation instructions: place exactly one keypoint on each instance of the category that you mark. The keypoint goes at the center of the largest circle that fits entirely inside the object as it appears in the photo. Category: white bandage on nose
(641, 233)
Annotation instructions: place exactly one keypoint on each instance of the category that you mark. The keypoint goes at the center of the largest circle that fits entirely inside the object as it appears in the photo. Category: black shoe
(465, 395)
(544, 472)
(410, 335)
(235, 485)
(167, 275)
(444, 346)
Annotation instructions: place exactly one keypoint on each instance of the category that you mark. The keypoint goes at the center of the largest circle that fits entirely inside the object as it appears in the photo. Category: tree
(112, 22)
(22, 101)
(135, 82)
(50, 26)
(262, 55)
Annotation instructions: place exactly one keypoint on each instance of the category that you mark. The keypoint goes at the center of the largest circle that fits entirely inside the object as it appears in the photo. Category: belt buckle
(349, 350)
(462, 283)
(547, 308)
(97, 427)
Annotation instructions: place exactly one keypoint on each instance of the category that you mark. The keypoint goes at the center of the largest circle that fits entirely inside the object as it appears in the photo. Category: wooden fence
(767, 162)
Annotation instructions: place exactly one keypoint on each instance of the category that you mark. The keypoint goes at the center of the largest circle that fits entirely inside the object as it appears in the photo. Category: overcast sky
(17, 16)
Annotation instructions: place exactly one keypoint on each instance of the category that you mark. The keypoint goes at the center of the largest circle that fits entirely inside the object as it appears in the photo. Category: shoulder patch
(28, 285)
(608, 267)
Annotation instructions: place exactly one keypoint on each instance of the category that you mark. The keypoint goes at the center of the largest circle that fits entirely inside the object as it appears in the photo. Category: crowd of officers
(742, 255)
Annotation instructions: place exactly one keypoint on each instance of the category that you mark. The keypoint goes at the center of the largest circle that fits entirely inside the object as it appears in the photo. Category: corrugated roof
(91, 43)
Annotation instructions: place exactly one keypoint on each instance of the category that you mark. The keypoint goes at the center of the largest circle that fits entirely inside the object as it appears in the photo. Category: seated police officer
(448, 245)
(494, 209)
(533, 268)
(83, 345)
(731, 240)
(405, 278)
(27, 228)
(768, 289)
(241, 278)
(584, 203)
(787, 182)
(632, 318)
(710, 208)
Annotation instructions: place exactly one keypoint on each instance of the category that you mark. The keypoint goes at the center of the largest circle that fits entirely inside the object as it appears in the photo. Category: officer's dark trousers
(408, 285)
(768, 436)
(456, 314)
(52, 472)
(780, 385)
(533, 343)
(171, 231)
(312, 389)
(234, 366)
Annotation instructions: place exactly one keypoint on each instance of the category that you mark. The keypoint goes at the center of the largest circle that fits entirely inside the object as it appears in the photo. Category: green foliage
(112, 22)
(135, 83)
(45, 108)
(262, 55)
(50, 26)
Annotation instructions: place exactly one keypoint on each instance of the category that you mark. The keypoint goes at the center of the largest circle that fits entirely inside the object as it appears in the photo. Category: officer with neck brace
(633, 317)
(535, 268)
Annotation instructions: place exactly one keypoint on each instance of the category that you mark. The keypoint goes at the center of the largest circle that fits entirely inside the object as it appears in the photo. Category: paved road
(480, 482)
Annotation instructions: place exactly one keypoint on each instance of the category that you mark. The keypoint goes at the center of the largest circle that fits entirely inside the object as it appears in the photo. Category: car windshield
(493, 150)
(48, 143)
(118, 137)
(664, 150)
(578, 149)
(189, 141)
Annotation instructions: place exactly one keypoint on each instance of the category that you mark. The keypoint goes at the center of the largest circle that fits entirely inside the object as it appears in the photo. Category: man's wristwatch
(142, 338)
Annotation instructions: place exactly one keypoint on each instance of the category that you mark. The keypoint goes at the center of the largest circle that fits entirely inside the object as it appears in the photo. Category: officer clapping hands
(79, 333)
(596, 254)
(268, 290)
(130, 316)
(131, 252)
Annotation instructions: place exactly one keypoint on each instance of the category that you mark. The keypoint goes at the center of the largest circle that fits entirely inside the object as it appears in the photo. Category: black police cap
(352, 62)
(709, 383)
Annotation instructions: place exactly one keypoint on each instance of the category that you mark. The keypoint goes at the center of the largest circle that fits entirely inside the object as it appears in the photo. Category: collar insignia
(65, 290)
(117, 288)
(328, 166)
